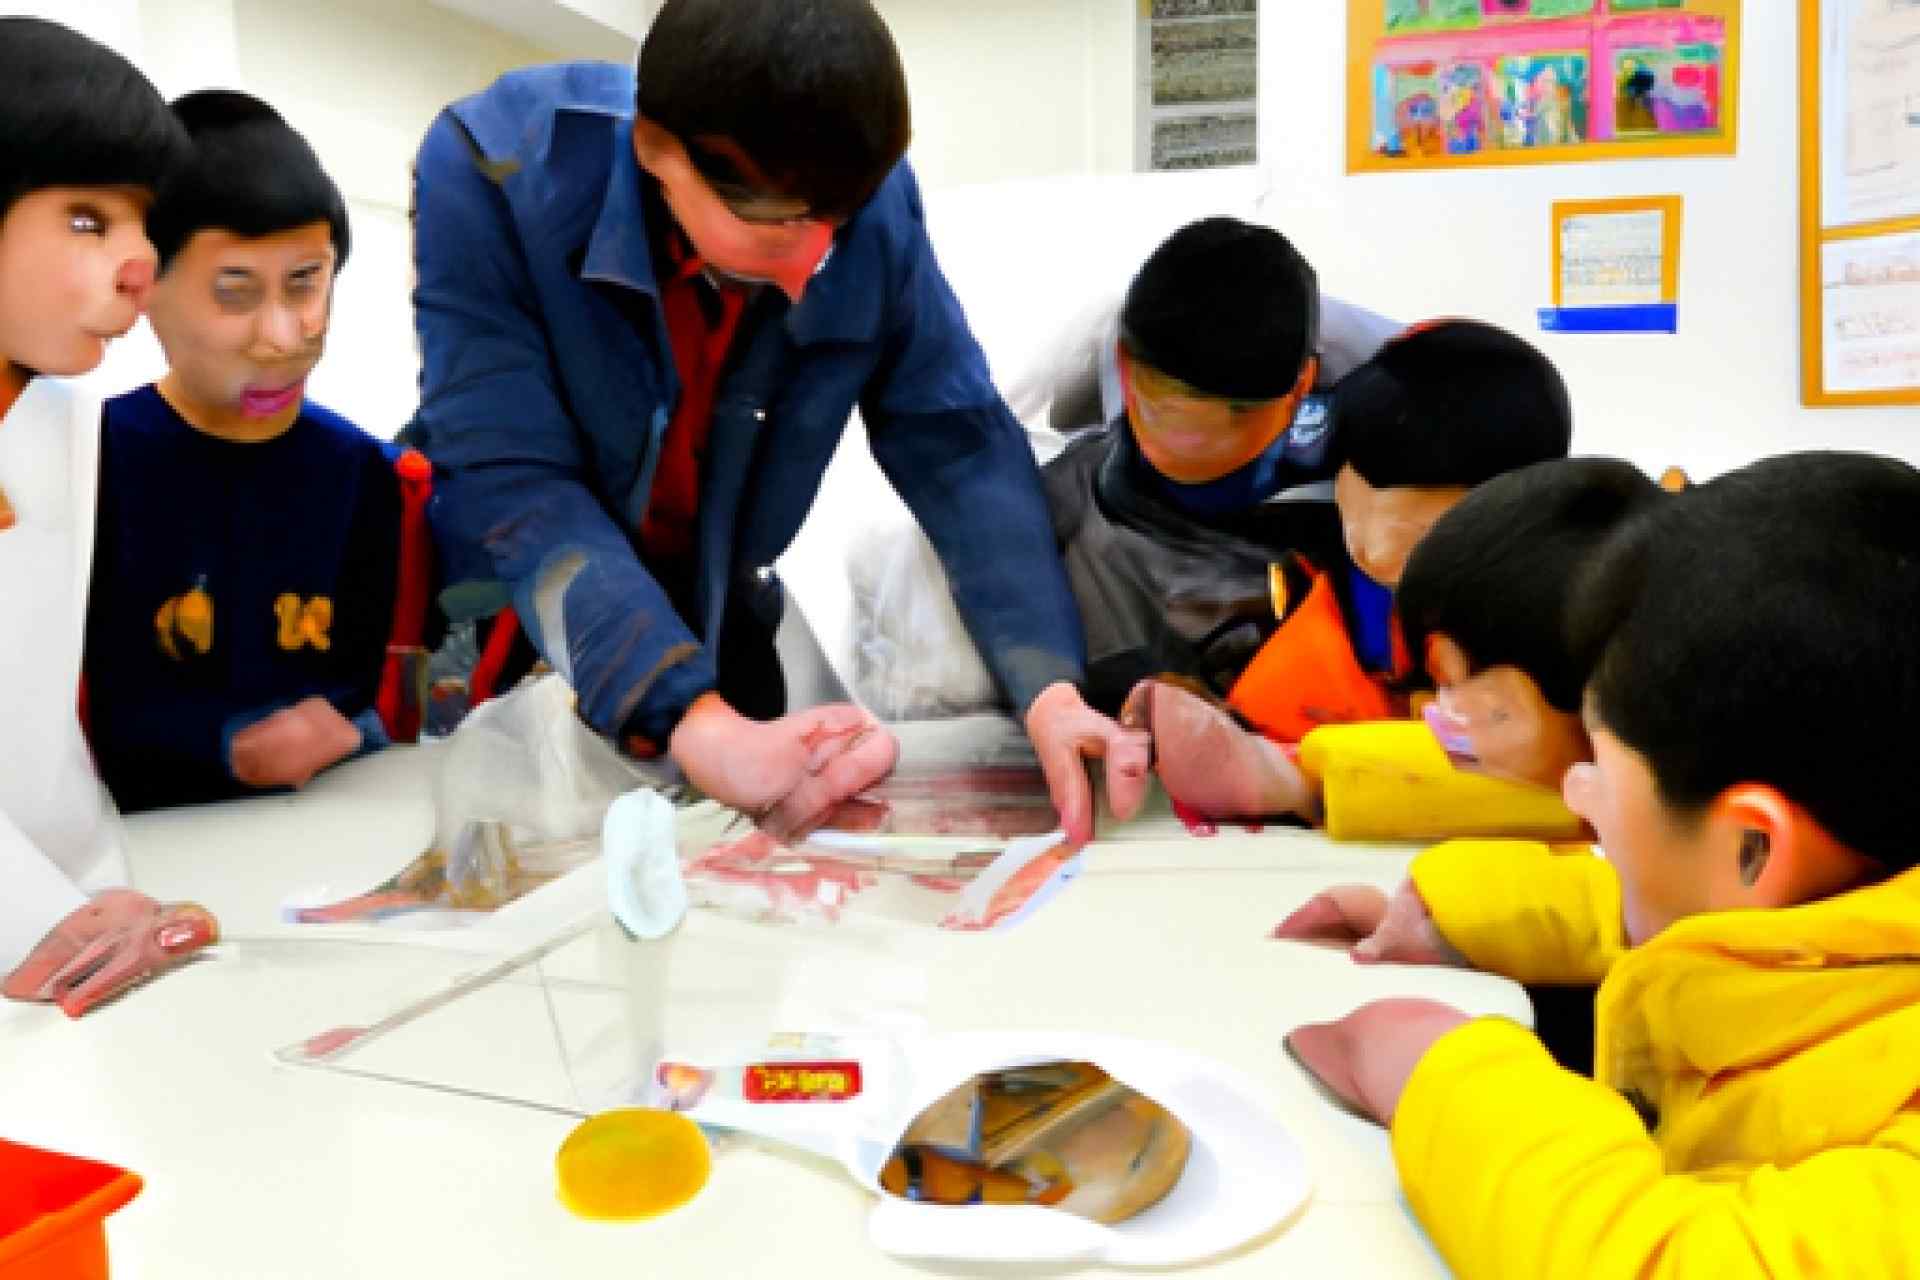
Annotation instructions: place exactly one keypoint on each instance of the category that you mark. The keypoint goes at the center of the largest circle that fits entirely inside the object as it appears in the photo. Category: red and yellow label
(801, 1081)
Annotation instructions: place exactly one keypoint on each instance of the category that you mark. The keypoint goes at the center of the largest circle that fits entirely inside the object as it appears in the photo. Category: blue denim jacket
(543, 404)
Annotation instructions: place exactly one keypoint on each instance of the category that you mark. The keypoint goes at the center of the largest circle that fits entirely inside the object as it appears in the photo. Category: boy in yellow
(1486, 602)
(1756, 1107)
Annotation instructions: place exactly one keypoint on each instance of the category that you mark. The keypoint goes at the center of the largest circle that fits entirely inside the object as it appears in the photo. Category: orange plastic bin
(53, 1212)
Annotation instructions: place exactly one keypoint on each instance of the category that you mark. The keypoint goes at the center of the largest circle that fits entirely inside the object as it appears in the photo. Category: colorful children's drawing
(1666, 90)
(1432, 15)
(1462, 104)
(1438, 82)
(1406, 111)
(1431, 108)
(1542, 99)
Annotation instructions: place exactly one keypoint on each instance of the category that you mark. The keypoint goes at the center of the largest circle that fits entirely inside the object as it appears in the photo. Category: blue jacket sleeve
(512, 504)
(960, 460)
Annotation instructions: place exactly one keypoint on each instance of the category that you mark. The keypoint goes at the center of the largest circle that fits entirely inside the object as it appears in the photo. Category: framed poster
(1860, 202)
(1442, 84)
(1616, 266)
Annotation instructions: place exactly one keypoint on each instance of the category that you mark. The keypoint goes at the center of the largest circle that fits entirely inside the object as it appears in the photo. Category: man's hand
(1376, 929)
(787, 773)
(115, 941)
(1366, 1058)
(288, 747)
(1066, 732)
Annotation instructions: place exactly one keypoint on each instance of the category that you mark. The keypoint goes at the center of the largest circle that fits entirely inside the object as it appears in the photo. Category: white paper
(1612, 259)
(1870, 313)
(1870, 111)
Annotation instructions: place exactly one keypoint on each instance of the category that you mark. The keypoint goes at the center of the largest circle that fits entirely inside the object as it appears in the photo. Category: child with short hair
(1488, 598)
(1171, 517)
(247, 575)
(84, 139)
(1447, 406)
(1486, 602)
(1756, 1107)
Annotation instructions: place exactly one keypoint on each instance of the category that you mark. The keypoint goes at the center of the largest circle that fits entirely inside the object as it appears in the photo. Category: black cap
(1452, 402)
(1227, 307)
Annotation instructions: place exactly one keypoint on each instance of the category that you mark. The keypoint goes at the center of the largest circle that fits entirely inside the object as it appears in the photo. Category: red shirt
(701, 322)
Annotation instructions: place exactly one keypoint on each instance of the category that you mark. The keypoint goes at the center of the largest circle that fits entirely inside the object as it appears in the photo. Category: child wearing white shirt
(84, 139)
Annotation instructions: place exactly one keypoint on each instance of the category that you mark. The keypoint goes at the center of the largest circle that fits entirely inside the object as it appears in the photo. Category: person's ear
(1309, 374)
(1769, 842)
(1447, 662)
(1124, 362)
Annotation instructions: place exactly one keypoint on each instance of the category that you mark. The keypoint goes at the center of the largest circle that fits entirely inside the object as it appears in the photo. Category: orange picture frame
(1372, 51)
(1824, 231)
(1671, 210)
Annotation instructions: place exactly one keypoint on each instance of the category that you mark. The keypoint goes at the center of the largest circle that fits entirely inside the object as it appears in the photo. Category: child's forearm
(1390, 780)
(1517, 1168)
(1528, 911)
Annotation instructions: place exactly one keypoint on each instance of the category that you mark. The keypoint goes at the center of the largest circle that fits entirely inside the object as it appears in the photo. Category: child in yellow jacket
(1481, 605)
(1756, 1107)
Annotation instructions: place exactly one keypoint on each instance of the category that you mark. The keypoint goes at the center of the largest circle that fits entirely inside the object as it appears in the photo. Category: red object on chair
(53, 1211)
(400, 714)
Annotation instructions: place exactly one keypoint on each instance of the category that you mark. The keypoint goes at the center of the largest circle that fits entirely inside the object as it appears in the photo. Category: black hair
(1452, 402)
(1225, 306)
(73, 113)
(812, 90)
(249, 173)
(1765, 627)
(1498, 573)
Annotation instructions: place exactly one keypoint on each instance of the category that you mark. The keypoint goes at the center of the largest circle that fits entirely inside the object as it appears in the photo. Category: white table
(256, 1169)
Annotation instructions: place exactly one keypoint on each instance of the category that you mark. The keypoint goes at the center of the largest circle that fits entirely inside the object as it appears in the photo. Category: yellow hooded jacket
(1537, 913)
(1390, 780)
(1756, 1112)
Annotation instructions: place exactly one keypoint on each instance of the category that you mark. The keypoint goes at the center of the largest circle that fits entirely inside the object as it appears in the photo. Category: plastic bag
(520, 789)
(913, 658)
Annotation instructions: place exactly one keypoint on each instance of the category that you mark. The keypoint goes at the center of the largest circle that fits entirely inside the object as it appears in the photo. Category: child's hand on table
(115, 941)
(288, 747)
(1366, 1058)
(1376, 929)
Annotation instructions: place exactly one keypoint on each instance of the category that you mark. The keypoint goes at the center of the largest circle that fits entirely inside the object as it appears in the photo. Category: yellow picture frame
(1816, 235)
(1366, 28)
(1671, 208)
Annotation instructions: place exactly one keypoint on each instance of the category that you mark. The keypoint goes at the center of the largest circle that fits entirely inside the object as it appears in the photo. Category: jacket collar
(840, 303)
(617, 249)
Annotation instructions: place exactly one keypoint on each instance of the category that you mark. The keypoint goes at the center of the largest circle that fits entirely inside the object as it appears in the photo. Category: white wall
(1016, 88)
(1721, 392)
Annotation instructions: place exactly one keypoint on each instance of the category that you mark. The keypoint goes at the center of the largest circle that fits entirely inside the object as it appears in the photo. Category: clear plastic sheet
(519, 792)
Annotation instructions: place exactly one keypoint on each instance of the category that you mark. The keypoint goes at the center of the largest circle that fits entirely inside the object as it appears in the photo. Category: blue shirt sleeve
(958, 457)
(511, 501)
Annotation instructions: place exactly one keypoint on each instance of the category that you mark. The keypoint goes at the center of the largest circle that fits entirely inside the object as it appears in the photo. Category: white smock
(60, 838)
